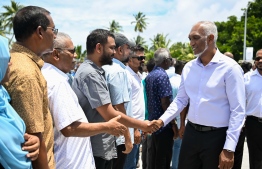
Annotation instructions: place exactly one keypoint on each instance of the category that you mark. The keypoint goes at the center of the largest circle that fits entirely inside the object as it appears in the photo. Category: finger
(33, 155)
(30, 148)
(117, 117)
(26, 136)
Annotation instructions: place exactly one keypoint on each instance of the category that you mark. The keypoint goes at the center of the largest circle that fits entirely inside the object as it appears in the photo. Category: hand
(226, 160)
(115, 128)
(181, 131)
(137, 137)
(31, 145)
(175, 130)
(154, 125)
(128, 145)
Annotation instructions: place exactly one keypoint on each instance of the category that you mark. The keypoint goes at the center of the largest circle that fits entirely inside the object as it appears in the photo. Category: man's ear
(39, 32)
(211, 38)
(119, 50)
(55, 54)
(99, 48)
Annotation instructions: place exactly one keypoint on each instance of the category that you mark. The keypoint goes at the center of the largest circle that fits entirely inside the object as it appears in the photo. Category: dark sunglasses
(140, 58)
(72, 51)
(169, 59)
(258, 58)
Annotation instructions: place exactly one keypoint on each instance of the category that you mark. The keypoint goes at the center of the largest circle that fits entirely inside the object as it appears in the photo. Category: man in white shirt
(136, 59)
(254, 114)
(213, 85)
(72, 147)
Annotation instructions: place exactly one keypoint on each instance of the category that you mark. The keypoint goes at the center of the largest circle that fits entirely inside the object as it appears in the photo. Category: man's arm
(81, 129)
(41, 162)
(183, 115)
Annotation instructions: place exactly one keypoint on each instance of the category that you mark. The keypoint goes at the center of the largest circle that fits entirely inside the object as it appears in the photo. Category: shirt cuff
(230, 145)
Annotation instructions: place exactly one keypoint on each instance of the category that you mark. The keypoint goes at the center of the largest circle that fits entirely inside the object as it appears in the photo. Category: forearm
(81, 129)
(183, 115)
(41, 162)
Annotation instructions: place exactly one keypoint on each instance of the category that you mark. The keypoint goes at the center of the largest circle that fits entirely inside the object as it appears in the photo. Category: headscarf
(4, 56)
(12, 127)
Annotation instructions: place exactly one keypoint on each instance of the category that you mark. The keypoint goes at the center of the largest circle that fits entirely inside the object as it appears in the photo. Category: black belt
(199, 127)
(259, 119)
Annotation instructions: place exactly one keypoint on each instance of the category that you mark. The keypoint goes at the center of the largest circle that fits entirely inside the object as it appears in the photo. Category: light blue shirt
(254, 94)
(120, 89)
(216, 93)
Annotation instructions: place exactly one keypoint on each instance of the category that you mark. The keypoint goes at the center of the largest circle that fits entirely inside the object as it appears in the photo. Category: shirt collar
(58, 71)
(28, 53)
(216, 58)
(119, 62)
(255, 72)
(99, 69)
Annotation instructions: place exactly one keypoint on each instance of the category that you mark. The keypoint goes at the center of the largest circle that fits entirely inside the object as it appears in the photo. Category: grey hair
(160, 55)
(209, 28)
(61, 37)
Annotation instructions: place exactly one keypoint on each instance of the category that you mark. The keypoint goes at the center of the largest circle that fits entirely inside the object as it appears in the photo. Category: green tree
(159, 41)
(140, 22)
(139, 40)
(8, 15)
(181, 51)
(115, 27)
(81, 56)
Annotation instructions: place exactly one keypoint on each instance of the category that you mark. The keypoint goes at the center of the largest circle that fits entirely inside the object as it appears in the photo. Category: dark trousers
(118, 163)
(238, 155)
(162, 144)
(254, 142)
(146, 153)
(201, 149)
(102, 163)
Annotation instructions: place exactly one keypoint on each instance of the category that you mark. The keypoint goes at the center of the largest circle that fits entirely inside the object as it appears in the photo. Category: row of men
(212, 83)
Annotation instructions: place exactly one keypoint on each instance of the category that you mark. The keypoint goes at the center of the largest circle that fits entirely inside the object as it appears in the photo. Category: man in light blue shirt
(213, 85)
(120, 94)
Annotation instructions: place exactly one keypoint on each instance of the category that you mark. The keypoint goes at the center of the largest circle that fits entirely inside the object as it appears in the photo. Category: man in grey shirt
(90, 87)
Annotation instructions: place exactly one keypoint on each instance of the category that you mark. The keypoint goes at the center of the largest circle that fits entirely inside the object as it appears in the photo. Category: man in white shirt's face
(258, 60)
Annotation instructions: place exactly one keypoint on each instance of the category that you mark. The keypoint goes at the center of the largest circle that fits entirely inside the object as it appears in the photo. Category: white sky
(172, 17)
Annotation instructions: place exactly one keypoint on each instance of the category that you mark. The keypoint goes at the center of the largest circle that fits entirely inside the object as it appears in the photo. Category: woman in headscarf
(17, 148)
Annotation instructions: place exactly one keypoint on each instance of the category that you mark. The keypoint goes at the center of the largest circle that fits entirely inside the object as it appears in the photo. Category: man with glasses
(135, 61)
(70, 123)
(159, 96)
(35, 32)
(254, 114)
(120, 94)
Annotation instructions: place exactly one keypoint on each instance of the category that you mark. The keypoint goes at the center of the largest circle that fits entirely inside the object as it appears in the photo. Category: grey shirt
(91, 89)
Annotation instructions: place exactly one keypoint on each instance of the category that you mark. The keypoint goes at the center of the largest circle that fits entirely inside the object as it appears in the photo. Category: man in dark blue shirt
(159, 95)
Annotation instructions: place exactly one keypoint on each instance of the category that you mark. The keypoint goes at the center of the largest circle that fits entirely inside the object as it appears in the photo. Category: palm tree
(9, 15)
(115, 27)
(80, 56)
(140, 22)
(160, 41)
(139, 40)
(181, 51)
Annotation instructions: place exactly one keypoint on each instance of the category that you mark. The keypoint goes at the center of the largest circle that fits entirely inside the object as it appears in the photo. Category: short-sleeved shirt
(157, 86)
(91, 89)
(120, 91)
(28, 90)
(65, 110)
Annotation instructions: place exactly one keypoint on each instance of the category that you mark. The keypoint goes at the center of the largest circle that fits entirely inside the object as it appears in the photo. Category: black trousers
(119, 162)
(254, 142)
(201, 150)
(102, 163)
(162, 144)
(238, 155)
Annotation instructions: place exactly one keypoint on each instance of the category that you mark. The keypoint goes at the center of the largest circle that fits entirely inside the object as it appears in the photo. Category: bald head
(229, 54)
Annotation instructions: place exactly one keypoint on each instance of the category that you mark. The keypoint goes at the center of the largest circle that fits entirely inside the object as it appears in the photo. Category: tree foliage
(115, 27)
(140, 22)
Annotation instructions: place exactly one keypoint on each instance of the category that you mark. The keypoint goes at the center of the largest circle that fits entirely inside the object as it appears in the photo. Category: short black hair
(179, 66)
(246, 66)
(150, 64)
(95, 37)
(27, 20)
(138, 48)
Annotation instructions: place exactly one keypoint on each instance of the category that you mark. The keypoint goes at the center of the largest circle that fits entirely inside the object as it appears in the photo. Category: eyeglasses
(55, 31)
(140, 58)
(258, 58)
(169, 59)
(72, 51)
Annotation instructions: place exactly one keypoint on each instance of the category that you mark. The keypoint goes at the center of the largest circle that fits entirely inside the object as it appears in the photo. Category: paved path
(245, 162)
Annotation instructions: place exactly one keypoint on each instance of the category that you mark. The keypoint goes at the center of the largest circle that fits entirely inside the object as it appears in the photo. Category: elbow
(67, 132)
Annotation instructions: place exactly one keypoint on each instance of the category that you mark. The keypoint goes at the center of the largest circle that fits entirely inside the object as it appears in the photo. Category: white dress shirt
(70, 152)
(216, 93)
(254, 95)
(138, 102)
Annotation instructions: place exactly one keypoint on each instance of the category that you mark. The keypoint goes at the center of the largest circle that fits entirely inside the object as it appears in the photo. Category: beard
(106, 59)
(199, 54)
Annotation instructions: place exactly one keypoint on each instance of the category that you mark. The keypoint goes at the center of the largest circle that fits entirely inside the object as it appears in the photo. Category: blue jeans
(176, 151)
(131, 158)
